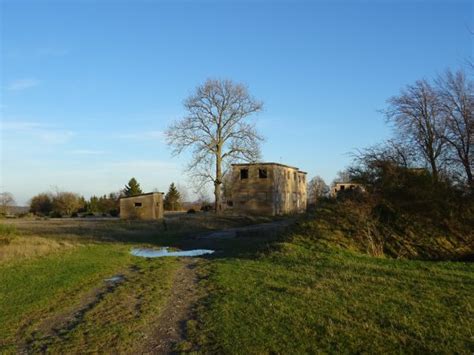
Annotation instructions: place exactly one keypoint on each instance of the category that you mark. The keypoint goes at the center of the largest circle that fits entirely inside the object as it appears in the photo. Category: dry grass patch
(23, 247)
(15, 245)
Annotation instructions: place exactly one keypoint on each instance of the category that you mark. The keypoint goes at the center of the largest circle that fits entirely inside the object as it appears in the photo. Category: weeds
(7, 233)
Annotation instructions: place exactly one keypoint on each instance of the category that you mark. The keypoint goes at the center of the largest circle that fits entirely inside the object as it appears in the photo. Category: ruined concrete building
(344, 186)
(267, 189)
(145, 206)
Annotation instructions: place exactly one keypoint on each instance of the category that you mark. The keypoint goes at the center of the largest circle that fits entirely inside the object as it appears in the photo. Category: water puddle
(115, 279)
(159, 253)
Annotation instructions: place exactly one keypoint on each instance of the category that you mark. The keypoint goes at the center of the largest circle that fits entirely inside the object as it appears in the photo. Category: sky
(88, 87)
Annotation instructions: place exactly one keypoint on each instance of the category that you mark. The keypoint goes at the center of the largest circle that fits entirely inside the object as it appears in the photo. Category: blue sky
(88, 87)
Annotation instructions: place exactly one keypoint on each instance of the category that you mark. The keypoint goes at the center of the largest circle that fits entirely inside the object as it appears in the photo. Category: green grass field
(53, 272)
(52, 288)
(302, 299)
(260, 293)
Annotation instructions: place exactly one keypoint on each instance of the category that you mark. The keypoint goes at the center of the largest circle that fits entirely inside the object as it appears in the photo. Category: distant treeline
(70, 204)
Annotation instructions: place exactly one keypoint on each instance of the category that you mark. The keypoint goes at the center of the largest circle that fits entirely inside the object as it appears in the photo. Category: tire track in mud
(169, 328)
(57, 328)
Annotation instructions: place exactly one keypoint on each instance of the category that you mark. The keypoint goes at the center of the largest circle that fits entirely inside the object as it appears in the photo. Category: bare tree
(6, 201)
(317, 188)
(343, 176)
(228, 183)
(456, 93)
(417, 116)
(217, 130)
(393, 151)
(183, 192)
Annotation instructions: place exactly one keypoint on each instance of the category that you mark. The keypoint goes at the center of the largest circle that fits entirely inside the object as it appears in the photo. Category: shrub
(66, 203)
(206, 208)
(41, 204)
(191, 210)
(54, 214)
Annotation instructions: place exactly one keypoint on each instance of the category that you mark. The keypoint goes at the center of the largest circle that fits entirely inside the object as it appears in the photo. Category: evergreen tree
(172, 199)
(93, 204)
(133, 188)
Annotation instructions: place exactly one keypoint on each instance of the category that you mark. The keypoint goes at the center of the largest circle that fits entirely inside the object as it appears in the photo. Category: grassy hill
(340, 280)
(382, 229)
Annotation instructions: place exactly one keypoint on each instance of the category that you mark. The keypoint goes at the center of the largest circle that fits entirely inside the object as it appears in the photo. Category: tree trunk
(434, 169)
(470, 182)
(467, 167)
(218, 182)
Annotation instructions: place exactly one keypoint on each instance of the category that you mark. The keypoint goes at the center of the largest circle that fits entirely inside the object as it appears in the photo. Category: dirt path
(169, 328)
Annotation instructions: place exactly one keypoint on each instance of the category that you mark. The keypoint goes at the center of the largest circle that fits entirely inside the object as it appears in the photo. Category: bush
(26, 215)
(41, 204)
(191, 210)
(66, 203)
(378, 226)
(55, 214)
(207, 208)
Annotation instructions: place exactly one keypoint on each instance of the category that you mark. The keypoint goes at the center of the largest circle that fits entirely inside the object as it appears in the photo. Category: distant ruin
(267, 189)
(344, 186)
(144, 206)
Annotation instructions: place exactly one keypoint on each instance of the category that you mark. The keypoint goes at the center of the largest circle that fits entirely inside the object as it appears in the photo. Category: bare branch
(417, 115)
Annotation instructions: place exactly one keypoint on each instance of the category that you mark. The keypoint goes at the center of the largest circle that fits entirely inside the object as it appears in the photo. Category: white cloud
(43, 133)
(23, 84)
(54, 136)
(143, 164)
(19, 125)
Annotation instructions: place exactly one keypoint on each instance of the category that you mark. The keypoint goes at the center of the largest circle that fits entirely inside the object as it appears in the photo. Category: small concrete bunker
(345, 186)
(144, 206)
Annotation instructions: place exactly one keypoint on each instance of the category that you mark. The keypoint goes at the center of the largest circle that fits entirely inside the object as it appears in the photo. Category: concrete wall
(282, 191)
(146, 206)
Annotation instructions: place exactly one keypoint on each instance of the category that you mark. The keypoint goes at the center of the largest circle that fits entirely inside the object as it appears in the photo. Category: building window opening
(294, 176)
(244, 174)
(262, 173)
(138, 204)
(343, 187)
